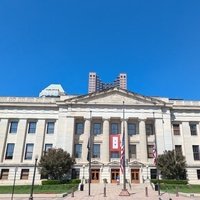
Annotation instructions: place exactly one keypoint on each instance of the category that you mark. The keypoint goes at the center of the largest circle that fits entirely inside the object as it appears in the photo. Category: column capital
(142, 119)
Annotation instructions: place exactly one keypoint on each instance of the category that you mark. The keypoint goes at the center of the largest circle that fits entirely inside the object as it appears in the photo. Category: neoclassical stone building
(29, 126)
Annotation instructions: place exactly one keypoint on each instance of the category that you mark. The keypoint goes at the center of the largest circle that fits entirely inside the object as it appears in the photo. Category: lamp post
(147, 172)
(31, 194)
(83, 173)
(13, 188)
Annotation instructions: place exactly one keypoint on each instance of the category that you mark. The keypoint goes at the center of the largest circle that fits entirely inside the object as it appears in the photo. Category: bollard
(146, 191)
(72, 192)
(104, 191)
(177, 192)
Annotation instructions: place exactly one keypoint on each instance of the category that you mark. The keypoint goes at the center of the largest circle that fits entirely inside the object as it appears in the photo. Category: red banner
(115, 142)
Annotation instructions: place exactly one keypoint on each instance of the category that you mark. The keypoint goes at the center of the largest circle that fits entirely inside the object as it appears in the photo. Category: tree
(55, 163)
(172, 165)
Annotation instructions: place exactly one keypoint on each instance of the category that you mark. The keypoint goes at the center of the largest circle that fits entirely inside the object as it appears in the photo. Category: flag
(88, 147)
(122, 157)
(115, 142)
(154, 154)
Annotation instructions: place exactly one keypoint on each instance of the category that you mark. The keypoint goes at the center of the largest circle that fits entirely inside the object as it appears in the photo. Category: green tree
(172, 165)
(55, 163)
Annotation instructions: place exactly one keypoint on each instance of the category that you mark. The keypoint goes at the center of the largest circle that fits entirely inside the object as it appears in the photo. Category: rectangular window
(193, 129)
(29, 151)
(10, 151)
(79, 128)
(149, 129)
(4, 174)
(24, 174)
(78, 150)
(47, 147)
(132, 151)
(96, 151)
(178, 149)
(198, 173)
(150, 151)
(196, 152)
(176, 129)
(114, 154)
(153, 173)
(13, 127)
(32, 127)
(97, 128)
(131, 129)
(50, 127)
(115, 128)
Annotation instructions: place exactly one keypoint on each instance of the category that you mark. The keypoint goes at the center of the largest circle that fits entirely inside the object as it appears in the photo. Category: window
(115, 128)
(149, 129)
(24, 174)
(131, 129)
(47, 147)
(153, 173)
(29, 151)
(178, 149)
(198, 173)
(50, 127)
(13, 127)
(79, 128)
(114, 154)
(176, 129)
(97, 128)
(4, 174)
(78, 150)
(150, 151)
(196, 152)
(31, 127)
(193, 129)
(96, 151)
(75, 173)
(132, 151)
(9, 151)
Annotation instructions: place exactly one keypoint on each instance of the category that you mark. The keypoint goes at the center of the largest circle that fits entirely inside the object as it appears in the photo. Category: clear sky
(156, 42)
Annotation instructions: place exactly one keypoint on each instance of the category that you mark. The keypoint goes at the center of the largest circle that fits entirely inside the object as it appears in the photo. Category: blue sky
(157, 43)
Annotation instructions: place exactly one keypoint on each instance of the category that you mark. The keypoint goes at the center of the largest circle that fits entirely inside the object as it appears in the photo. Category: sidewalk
(137, 191)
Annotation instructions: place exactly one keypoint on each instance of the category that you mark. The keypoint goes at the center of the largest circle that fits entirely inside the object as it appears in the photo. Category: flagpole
(157, 171)
(90, 153)
(124, 191)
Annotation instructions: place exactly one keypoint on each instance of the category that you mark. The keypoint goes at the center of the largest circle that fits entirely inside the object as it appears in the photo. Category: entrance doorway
(114, 175)
(95, 175)
(135, 176)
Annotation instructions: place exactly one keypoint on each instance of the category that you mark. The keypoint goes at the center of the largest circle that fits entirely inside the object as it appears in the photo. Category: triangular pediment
(115, 96)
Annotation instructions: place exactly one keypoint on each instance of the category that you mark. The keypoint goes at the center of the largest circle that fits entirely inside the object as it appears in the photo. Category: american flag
(122, 153)
(154, 154)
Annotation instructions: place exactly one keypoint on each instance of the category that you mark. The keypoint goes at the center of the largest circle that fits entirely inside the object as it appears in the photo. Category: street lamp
(13, 188)
(31, 194)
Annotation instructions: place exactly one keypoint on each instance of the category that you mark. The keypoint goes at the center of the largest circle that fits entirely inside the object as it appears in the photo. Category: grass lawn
(181, 188)
(50, 189)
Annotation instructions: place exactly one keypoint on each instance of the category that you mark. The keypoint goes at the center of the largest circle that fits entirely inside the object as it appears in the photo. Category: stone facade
(29, 126)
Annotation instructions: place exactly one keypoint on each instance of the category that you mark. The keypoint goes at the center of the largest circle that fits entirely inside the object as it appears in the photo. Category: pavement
(137, 191)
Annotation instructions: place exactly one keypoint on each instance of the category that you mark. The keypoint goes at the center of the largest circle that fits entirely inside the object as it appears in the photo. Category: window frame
(198, 174)
(150, 150)
(115, 128)
(97, 130)
(130, 129)
(193, 132)
(149, 128)
(32, 130)
(78, 151)
(24, 174)
(176, 129)
(50, 130)
(79, 130)
(132, 153)
(7, 154)
(96, 151)
(6, 171)
(114, 153)
(26, 157)
(13, 130)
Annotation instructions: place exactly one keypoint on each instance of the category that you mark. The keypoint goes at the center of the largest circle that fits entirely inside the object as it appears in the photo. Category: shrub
(170, 181)
(51, 182)
(75, 181)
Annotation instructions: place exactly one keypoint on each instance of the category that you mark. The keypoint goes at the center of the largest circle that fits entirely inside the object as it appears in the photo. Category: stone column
(105, 154)
(87, 126)
(143, 141)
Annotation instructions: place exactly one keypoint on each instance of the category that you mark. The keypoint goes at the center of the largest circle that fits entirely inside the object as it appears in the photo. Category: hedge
(57, 182)
(170, 181)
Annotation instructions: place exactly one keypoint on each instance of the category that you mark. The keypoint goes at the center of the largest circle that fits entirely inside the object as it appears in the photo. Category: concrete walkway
(112, 193)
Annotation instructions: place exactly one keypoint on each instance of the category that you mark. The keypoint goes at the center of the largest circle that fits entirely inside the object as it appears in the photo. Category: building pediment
(115, 96)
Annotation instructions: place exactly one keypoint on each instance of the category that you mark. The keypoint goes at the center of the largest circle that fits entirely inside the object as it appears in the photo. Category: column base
(124, 193)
